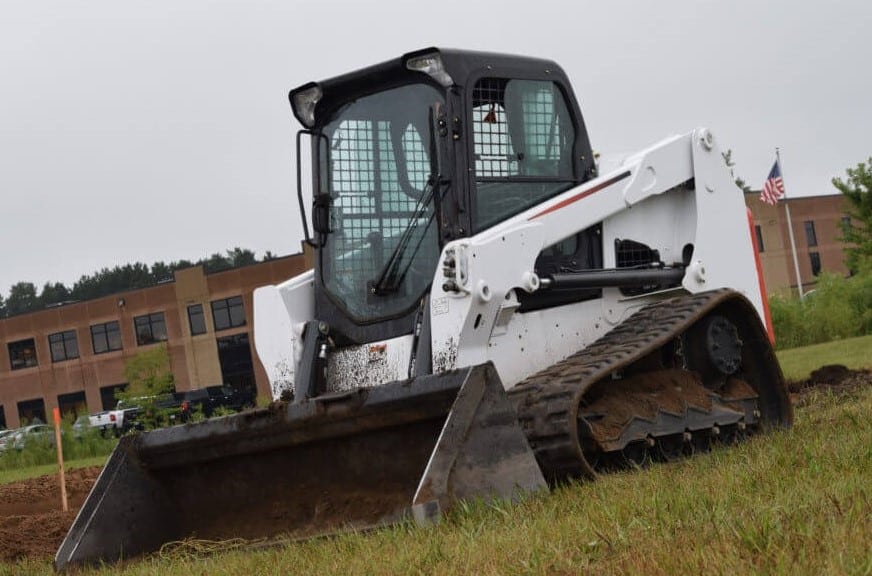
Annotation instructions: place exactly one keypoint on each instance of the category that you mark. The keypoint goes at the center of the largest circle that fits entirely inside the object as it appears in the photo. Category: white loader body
(644, 199)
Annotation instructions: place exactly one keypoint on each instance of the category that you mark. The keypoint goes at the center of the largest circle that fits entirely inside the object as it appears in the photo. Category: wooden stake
(60, 449)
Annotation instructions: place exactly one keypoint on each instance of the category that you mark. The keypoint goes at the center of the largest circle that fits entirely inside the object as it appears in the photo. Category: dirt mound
(31, 522)
(835, 377)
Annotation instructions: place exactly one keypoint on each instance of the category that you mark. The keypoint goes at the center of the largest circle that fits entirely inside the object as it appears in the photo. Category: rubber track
(547, 402)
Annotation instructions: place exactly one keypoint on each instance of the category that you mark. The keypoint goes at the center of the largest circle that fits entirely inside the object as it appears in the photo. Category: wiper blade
(390, 277)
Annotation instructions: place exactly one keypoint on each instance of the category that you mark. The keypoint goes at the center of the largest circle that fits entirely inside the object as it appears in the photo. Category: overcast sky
(147, 130)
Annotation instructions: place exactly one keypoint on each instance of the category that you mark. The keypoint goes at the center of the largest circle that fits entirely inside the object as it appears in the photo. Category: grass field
(854, 353)
(795, 501)
(16, 474)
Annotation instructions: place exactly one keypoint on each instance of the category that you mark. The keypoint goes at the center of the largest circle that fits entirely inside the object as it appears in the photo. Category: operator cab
(415, 152)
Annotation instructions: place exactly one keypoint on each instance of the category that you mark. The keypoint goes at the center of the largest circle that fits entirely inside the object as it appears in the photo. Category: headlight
(304, 104)
(430, 64)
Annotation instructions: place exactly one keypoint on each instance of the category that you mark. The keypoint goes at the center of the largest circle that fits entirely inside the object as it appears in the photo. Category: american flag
(773, 188)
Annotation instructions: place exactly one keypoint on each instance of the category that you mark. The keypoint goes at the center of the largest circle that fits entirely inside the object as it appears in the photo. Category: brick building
(817, 229)
(72, 356)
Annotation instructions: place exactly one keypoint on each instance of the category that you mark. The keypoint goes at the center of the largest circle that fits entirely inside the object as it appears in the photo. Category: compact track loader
(487, 313)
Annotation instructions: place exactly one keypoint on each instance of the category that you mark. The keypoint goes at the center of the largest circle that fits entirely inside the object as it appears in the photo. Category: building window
(31, 412)
(150, 328)
(810, 236)
(73, 404)
(106, 337)
(234, 355)
(759, 232)
(22, 354)
(107, 395)
(64, 346)
(196, 319)
(228, 313)
(815, 260)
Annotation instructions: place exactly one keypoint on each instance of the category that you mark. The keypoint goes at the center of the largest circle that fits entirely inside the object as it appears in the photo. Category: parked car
(183, 405)
(116, 421)
(35, 433)
(210, 398)
(234, 398)
(6, 437)
(81, 426)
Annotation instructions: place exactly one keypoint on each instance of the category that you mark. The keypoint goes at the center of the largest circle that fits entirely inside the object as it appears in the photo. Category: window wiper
(391, 275)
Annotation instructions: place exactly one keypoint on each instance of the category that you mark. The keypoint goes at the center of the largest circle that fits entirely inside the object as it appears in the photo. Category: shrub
(39, 451)
(838, 308)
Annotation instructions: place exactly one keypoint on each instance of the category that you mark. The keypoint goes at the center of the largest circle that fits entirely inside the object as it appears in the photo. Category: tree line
(24, 296)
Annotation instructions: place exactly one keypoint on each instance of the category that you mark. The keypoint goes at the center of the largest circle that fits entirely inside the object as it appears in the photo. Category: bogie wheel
(637, 454)
(670, 448)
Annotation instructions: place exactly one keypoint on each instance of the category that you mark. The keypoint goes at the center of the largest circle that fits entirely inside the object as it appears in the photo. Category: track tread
(547, 402)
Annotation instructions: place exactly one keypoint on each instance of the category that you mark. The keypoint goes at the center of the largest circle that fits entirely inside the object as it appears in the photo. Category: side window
(544, 147)
(492, 146)
(522, 145)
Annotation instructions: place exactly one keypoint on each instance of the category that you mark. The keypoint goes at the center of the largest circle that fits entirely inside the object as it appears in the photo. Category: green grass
(797, 363)
(791, 502)
(16, 474)
(40, 454)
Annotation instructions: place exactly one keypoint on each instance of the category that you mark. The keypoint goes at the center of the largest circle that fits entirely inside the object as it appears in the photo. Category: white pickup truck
(115, 421)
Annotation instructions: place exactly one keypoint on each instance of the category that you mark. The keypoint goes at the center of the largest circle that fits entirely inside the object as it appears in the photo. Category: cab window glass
(522, 146)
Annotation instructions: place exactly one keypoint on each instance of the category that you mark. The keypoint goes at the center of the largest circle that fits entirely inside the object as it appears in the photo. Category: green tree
(150, 378)
(161, 272)
(857, 231)
(53, 294)
(241, 257)
(216, 263)
(22, 298)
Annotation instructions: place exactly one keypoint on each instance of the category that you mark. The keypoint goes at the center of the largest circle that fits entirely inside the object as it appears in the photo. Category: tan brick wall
(194, 359)
(777, 258)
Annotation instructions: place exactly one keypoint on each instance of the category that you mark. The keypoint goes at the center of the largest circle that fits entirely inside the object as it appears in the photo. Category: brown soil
(31, 521)
(833, 378)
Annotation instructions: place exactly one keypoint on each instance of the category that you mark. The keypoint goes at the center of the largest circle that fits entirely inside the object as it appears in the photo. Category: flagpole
(790, 228)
